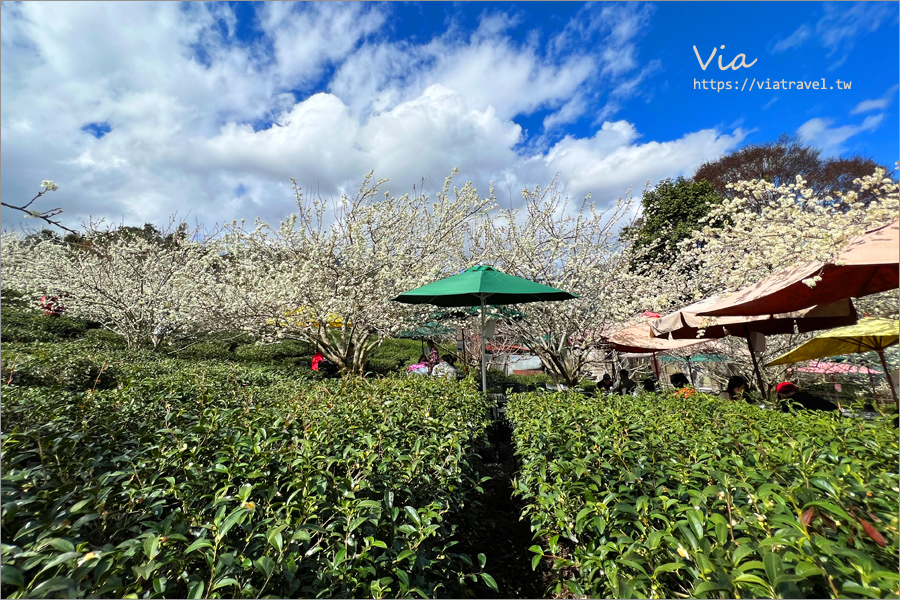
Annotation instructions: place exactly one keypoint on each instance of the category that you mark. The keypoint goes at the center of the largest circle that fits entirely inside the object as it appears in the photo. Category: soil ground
(493, 528)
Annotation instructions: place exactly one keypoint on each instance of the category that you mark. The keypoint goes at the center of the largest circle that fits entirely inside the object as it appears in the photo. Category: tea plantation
(242, 474)
(668, 497)
(136, 475)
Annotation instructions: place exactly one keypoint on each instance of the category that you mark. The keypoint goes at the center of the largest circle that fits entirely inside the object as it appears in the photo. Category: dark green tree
(671, 211)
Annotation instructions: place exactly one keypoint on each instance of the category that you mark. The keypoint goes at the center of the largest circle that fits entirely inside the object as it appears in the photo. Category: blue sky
(140, 111)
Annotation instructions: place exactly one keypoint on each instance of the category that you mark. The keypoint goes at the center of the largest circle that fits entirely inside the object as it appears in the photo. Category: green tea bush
(237, 481)
(27, 324)
(85, 365)
(65, 366)
(103, 338)
(393, 356)
(665, 497)
(274, 351)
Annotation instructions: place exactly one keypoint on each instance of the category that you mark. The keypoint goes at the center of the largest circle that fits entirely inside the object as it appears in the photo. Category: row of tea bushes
(80, 365)
(243, 486)
(658, 496)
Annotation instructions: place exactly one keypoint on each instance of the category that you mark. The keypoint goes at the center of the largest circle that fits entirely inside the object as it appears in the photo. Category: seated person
(626, 385)
(605, 384)
(444, 368)
(649, 384)
(736, 389)
(419, 368)
(682, 385)
(792, 397)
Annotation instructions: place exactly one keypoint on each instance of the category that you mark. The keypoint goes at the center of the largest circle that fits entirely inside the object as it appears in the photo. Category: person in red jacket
(316, 359)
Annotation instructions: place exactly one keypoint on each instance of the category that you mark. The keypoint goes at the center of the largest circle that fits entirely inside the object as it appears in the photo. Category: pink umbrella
(868, 265)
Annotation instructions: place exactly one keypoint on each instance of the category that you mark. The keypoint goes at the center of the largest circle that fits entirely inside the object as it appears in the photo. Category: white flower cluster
(127, 282)
(570, 248)
(49, 185)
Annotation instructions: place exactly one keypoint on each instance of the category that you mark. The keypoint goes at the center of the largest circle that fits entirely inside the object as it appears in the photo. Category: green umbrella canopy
(494, 312)
(479, 286)
(426, 332)
(482, 285)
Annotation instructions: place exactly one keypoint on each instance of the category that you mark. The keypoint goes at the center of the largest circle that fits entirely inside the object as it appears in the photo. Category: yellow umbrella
(869, 335)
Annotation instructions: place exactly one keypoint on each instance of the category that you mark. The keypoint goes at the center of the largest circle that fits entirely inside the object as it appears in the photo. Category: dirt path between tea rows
(494, 529)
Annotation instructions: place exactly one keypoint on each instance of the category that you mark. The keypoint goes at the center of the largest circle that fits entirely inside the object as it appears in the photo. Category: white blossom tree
(742, 241)
(327, 274)
(131, 284)
(573, 250)
(738, 246)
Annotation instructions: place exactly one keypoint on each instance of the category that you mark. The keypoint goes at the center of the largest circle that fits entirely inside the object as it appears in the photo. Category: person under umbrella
(792, 397)
(444, 368)
(434, 356)
(682, 385)
(605, 384)
(420, 367)
(626, 384)
(736, 389)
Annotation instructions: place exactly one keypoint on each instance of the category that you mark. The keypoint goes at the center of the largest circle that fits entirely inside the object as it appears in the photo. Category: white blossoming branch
(46, 215)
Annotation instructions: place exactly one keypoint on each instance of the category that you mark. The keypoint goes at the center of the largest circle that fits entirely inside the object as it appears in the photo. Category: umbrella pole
(871, 384)
(887, 375)
(759, 379)
(483, 345)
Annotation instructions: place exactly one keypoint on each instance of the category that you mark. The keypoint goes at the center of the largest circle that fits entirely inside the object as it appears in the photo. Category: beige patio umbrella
(868, 265)
(688, 324)
(639, 339)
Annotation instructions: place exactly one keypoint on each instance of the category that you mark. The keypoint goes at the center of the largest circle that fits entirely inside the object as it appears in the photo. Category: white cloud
(820, 133)
(838, 28)
(308, 36)
(213, 127)
(840, 25)
(876, 104)
(794, 40)
(613, 160)
(569, 113)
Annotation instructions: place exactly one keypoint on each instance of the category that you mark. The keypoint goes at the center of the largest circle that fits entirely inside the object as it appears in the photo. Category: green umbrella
(475, 287)
(428, 331)
(497, 312)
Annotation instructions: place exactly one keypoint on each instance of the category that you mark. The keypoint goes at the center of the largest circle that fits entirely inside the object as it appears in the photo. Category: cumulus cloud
(212, 124)
(614, 160)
